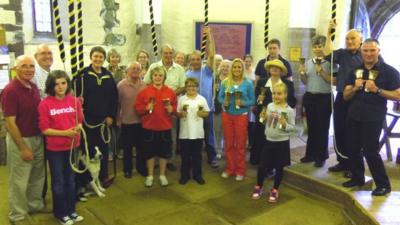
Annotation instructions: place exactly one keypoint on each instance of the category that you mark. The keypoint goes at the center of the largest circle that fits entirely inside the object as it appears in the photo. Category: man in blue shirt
(369, 87)
(204, 75)
(348, 59)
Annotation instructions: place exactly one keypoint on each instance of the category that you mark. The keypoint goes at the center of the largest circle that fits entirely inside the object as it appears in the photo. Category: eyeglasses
(133, 69)
(191, 86)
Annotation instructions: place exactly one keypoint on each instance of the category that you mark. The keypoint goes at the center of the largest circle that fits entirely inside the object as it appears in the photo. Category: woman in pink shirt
(58, 113)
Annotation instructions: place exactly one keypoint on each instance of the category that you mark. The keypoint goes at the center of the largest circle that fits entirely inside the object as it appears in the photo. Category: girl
(279, 118)
(192, 109)
(156, 104)
(57, 121)
(237, 95)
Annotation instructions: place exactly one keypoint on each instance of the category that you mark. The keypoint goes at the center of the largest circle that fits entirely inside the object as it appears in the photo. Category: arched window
(42, 17)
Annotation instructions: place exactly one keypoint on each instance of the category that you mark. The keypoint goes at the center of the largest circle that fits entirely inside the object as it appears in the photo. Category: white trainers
(163, 181)
(224, 175)
(75, 217)
(239, 178)
(66, 220)
(149, 181)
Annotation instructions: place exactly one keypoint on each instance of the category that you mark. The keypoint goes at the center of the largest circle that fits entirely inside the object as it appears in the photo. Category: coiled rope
(266, 24)
(153, 29)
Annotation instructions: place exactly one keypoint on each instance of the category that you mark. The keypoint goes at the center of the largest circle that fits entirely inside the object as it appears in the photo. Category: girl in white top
(192, 108)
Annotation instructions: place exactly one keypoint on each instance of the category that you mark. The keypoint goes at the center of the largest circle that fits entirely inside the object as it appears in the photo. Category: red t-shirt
(159, 119)
(59, 114)
(22, 102)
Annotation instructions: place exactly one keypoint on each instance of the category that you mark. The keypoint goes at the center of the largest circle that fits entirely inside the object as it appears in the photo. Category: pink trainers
(256, 193)
(273, 195)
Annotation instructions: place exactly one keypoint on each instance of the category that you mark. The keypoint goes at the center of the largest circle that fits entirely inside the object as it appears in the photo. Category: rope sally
(333, 17)
(56, 13)
(204, 37)
(80, 33)
(153, 29)
(266, 25)
(72, 38)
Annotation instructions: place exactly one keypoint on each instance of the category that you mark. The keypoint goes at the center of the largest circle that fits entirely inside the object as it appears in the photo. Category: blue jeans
(209, 137)
(62, 183)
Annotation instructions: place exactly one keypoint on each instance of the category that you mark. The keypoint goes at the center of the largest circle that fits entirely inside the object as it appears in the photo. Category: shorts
(157, 144)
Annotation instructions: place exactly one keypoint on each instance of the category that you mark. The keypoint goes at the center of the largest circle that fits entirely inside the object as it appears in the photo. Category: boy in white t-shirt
(192, 108)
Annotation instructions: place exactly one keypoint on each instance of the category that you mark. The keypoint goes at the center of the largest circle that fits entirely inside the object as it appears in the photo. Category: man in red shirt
(19, 100)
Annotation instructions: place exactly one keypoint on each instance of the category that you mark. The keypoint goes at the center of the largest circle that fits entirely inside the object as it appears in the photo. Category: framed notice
(232, 40)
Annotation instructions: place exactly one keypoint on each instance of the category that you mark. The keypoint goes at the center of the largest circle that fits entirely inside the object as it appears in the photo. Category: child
(192, 109)
(57, 121)
(317, 103)
(279, 118)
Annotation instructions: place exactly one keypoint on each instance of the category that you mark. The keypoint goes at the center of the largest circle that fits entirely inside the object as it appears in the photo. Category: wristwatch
(379, 91)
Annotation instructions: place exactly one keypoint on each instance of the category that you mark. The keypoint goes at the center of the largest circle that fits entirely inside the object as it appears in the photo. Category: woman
(237, 95)
(58, 113)
(156, 104)
(113, 59)
(222, 74)
(264, 89)
(96, 86)
(143, 58)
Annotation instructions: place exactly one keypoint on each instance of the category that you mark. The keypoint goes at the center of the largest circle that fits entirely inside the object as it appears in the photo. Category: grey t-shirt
(273, 129)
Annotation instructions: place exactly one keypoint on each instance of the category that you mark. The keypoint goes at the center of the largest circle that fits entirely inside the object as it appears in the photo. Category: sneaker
(66, 220)
(149, 181)
(214, 164)
(273, 195)
(239, 177)
(163, 181)
(75, 217)
(257, 192)
(224, 175)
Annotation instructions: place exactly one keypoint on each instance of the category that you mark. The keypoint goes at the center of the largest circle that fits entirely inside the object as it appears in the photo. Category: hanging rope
(80, 33)
(266, 25)
(204, 37)
(153, 29)
(333, 17)
(72, 38)
(56, 14)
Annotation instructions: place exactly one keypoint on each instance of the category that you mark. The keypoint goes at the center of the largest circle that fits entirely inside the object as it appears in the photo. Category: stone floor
(219, 201)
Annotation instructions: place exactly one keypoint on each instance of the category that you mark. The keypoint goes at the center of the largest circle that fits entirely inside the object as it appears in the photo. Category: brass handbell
(359, 73)
(263, 90)
(238, 94)
(373, 74)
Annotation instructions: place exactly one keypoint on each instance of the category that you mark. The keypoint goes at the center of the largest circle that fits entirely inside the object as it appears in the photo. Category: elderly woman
(156, 104)
(114, 59)
(264, 89)
(237, 95)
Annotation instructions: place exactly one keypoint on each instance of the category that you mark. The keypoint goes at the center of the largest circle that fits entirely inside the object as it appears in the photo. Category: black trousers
(259, 142)
(318, 111)
(131, 135)
(364, 141)
(191, 157)
(339, 119)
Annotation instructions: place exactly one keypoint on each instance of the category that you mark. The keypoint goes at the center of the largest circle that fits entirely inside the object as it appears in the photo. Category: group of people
(164, 106)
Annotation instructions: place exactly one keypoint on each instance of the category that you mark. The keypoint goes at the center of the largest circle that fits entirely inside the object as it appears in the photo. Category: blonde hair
(229, 79)
(158, 69)
(281, 86)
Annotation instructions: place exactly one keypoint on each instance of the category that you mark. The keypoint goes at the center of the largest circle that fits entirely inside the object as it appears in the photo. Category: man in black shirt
(368, 87)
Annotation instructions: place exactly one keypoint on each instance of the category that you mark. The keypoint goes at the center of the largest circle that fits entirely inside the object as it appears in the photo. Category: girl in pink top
(57, 121)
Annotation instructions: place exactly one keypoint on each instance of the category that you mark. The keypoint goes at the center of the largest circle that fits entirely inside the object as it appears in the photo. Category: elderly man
(273, 50)
(44, 60)
(204, 76)
(347, 59)
(19, 100)
(129, 120)
(175, 80)
(369, 87)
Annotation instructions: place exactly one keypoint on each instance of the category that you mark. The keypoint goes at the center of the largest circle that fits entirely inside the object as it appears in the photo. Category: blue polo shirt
(347, 61)
(205, 79)
(368, 106)
(260, 69)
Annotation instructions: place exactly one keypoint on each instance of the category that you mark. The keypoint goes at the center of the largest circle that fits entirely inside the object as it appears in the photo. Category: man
(44, 59)
(19, 100)
(347, 59)
(129, 121)
(204, 76)
(175, 80)
(273, 50)
(369, 87)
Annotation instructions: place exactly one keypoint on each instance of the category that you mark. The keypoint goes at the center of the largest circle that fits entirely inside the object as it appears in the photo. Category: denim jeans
(62, 183)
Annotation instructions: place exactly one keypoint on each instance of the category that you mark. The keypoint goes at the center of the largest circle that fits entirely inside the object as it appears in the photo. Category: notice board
(232, 40)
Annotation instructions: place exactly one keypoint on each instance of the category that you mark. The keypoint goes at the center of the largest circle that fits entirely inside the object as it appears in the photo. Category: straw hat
(277, 63)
